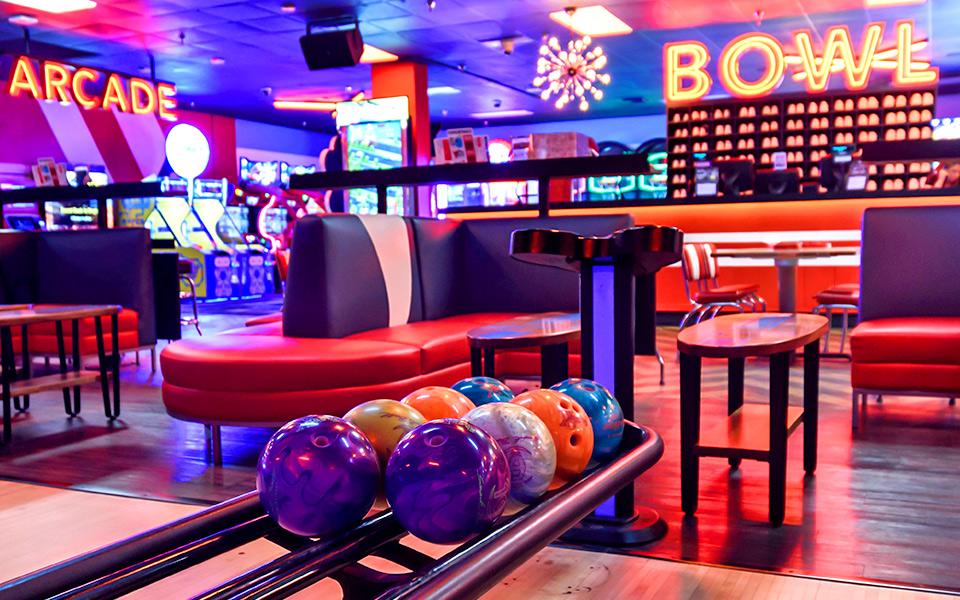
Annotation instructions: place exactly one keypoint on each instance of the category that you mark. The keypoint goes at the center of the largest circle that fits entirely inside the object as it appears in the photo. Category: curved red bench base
(255, 376)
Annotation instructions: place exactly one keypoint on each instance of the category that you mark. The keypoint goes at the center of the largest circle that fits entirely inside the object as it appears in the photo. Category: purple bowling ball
(317, 476)
(447, 480)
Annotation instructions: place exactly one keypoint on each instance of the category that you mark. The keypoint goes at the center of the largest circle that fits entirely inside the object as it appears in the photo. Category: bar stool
(845, 298)
(700, 274)
(185, 271)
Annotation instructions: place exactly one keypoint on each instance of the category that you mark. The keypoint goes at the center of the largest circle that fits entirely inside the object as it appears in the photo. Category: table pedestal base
(643, 527)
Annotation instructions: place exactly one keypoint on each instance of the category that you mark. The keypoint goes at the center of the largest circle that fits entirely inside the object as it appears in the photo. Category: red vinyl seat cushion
(127, 320)
(907, 341)
(43, 336)
(247, 363)
(846, 293)
(443, 342)
(725, 293)
(263, 319)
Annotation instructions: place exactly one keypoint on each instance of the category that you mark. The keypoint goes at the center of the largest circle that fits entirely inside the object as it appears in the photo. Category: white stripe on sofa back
(391, 241)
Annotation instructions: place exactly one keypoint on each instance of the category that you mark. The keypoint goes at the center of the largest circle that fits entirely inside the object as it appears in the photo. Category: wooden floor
(884, 504)
(43, 525)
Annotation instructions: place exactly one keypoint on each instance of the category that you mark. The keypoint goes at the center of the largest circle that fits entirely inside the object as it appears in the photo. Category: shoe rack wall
(803, 127)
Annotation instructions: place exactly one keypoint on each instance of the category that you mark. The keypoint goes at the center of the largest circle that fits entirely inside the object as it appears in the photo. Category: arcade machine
(268, 211)
(375, 135)
(196, 220)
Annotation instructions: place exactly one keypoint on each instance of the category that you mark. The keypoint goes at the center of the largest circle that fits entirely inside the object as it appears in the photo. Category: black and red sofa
(375, 307)
(110, 266)
(908, 339)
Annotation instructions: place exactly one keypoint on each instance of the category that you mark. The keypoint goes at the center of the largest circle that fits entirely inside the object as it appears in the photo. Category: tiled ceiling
(259, 43)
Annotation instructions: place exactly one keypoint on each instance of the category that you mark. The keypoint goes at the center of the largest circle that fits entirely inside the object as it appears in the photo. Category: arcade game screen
(375, 146)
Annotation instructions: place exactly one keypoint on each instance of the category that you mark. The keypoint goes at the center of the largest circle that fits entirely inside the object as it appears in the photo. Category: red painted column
(409, 79)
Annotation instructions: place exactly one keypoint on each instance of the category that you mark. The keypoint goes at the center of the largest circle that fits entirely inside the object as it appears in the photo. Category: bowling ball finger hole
(435, 441)
(575, 440)
(322, 441)
(564, 405)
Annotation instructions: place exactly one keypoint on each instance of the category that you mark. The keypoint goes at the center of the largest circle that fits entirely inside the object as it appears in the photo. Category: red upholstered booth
(908, 339)
(375, 307)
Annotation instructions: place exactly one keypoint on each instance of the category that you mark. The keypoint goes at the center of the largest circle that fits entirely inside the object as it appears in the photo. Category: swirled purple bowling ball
(525, 441)
(317, 476)
(447, 480)
(604, 411)
(484, 390)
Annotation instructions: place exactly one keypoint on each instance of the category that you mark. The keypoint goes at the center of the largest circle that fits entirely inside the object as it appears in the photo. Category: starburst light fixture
(571, 74)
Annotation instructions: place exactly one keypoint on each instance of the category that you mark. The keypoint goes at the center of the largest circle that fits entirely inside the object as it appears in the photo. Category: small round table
(551, 332)
(751, 431)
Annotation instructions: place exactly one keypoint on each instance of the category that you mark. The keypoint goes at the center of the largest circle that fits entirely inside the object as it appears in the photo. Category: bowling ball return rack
(466, 571)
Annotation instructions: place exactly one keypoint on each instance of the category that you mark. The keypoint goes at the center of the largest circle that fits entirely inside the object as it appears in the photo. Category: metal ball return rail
(467, 571)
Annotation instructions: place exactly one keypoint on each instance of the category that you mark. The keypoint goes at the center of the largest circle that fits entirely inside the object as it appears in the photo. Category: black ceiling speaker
(330, 44)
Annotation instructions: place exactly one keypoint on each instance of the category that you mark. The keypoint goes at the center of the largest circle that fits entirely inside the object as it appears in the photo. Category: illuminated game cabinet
(374, 136)
(632, 187)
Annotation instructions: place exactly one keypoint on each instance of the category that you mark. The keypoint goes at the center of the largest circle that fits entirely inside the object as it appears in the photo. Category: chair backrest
(112, 266)
(699, 263)
(910, 262)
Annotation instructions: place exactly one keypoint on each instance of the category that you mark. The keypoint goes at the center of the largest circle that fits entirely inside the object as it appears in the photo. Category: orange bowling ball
(384, 422)
(435, 402)
(568, 424)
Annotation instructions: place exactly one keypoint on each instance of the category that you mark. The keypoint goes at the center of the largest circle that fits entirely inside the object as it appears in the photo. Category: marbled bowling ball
(435, 402)
(483, 390)
(318, 476)
(447, 481)
(525, 441)
(604, 412)
(384, 422)
(569, 426)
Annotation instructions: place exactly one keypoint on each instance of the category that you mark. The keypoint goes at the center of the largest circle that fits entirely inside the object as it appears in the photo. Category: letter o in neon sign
(772, 53)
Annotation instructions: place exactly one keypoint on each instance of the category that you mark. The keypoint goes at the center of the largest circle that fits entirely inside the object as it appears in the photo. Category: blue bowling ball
(484, 390)
(318, 476)
(604, 411)
(447, 480)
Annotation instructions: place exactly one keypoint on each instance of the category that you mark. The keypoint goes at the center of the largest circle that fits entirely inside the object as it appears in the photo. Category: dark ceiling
(259, 44)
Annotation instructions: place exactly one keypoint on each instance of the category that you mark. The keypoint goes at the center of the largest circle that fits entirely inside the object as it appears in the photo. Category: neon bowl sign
(685, 63)
(91, 88)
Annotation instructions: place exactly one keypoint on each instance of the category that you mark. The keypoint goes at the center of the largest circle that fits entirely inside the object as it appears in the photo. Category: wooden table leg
(779, 397)
(689, 431)
(62, 357)
(489, 368)
(102, 365)
(8, 363)
(553, 364)
(24, 404)
(811, 400)
(77, 362)
(115, 360)
(735, 377)
(476, 362)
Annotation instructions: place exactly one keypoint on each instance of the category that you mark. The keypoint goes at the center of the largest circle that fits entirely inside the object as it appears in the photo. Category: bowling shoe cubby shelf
(805, 127)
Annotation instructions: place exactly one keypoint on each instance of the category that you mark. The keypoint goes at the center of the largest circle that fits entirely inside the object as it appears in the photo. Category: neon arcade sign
(90, 88)
(686, 78)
